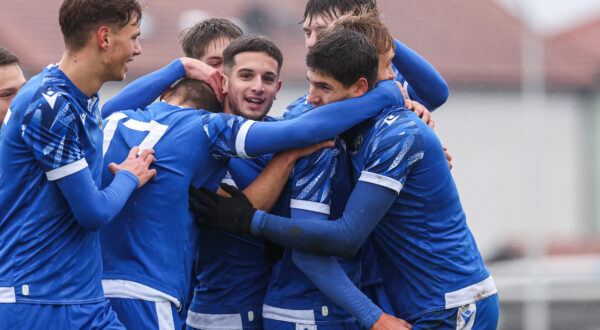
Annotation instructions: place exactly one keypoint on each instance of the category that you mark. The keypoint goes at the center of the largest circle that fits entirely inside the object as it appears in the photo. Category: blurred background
(522, 122)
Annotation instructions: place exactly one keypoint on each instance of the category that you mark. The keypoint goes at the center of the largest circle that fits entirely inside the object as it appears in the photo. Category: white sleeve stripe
(310, 206)
(240, 140)
(381, 180)
(7, 295)
(7, 116)
(67, 170)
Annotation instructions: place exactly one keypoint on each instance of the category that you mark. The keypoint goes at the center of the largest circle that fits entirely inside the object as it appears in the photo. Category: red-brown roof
(471, 42)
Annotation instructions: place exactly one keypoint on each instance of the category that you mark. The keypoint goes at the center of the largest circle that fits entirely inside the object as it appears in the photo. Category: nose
(258, 85)
(312, 97)
(310, 41)
(137, 48)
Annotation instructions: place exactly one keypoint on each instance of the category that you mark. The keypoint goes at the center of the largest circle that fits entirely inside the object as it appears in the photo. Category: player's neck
(227, 106)
(82, 68)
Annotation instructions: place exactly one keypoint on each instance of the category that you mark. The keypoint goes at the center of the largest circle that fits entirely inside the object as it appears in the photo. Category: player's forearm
(322, 123)
(143, 91)
(342, 237)
(326, 274)
(426, 84)
(264, 191)
(93, 208)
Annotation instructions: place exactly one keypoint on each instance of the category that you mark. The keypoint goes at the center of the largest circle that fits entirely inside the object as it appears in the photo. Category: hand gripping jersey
(320, 183)
(51, 131)
(148, 248)
(427, 255)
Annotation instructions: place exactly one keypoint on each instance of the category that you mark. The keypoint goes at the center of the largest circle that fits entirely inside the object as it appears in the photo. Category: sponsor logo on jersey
(390, 119)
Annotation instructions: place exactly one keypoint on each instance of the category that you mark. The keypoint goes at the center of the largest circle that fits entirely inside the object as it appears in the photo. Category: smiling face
(124, 45)
(11, 81)
(251, 85)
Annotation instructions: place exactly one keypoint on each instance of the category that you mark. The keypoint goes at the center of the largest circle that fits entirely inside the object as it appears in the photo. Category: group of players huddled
(346, 217)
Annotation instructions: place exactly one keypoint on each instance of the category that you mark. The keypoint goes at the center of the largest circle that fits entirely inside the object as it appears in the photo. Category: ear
(103, 37)
(277, 90)
(165, 93)
(224, 84)
(360, 87)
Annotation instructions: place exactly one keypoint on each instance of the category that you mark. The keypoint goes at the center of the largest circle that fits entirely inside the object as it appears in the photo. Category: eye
(269, 79)
(246, 76)
(7, 95)
(214, 64)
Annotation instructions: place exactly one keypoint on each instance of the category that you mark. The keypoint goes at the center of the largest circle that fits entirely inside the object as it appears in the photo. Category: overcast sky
(551, 16)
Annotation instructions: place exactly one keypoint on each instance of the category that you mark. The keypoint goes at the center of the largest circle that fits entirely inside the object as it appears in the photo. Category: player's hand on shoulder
(137, 165)
(421, 111)
(196, 69)
(231, 214)
(293, 155)
(388, 322)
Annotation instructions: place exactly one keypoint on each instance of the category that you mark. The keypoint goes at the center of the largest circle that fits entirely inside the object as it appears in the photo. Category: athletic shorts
(144, 314)
(19, 316)
(250, 319)
(481, 315)
(282, 325)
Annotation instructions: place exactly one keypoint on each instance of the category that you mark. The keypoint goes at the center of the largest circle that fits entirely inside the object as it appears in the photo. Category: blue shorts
(201, 317)
(481, 315)
(20, 316)
(143, 314)
(282, 325)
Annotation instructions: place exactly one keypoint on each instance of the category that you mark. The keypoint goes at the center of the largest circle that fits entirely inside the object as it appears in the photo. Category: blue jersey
(320, 183)
(232, 271)
(52, 131)
(427, 255)
(151, 240)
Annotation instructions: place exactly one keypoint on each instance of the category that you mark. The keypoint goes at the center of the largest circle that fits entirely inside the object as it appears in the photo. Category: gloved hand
(233, 215)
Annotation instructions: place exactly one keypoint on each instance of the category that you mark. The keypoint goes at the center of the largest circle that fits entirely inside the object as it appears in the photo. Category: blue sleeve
(91, 207)
(143, 91)
(425, 84)
(326, 274)
(342, 237)
(322, 123)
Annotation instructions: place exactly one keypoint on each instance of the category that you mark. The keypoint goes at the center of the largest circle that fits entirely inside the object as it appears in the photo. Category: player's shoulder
(297, 108)
(395, 120)
(321, 158)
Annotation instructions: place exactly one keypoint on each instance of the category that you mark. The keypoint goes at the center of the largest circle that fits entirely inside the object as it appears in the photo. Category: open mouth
(254, 101)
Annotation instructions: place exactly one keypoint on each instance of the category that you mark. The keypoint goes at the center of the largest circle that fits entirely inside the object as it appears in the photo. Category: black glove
(233, 215)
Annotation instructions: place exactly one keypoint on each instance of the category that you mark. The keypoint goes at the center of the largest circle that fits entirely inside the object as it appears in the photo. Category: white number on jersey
(154, 129)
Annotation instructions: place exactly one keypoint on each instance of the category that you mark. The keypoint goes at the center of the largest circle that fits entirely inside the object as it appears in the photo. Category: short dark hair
(328, 8)
(367, 22)
(6, 57)
(195, 40)
(78, 18)
(197, 93)
(346, 56)
(252, 43)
